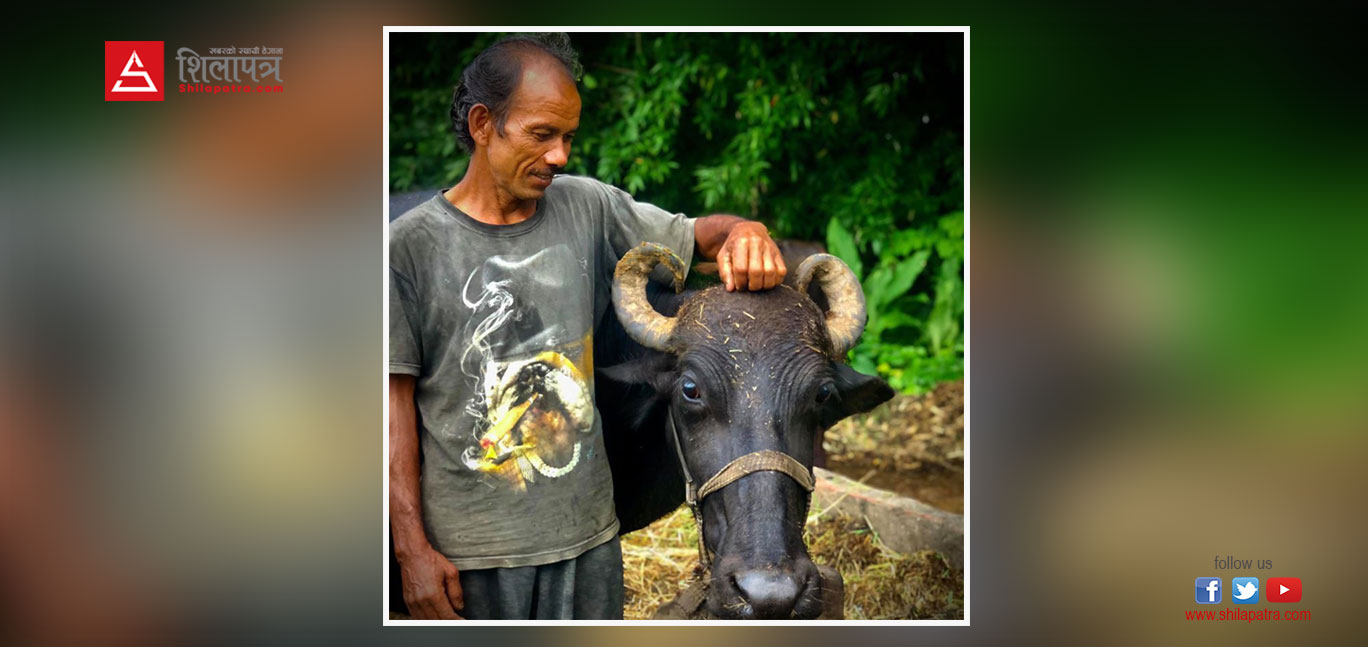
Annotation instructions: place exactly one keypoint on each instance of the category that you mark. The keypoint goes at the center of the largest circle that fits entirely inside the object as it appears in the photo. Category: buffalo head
(744, 372)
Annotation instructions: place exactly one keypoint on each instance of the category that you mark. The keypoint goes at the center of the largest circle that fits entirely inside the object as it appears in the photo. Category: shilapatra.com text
(202, 88)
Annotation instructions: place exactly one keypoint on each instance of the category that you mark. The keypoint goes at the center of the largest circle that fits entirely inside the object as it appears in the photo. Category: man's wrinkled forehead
(545, 83)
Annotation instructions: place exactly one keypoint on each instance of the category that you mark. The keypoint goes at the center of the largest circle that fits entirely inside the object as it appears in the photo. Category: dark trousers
(588, 587)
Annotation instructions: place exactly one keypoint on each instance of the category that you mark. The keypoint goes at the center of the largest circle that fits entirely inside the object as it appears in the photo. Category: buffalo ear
(623, 384)
(653, 370)
(860, 392)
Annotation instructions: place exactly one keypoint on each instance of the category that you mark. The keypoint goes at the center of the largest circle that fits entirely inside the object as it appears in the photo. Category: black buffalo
(738, 372)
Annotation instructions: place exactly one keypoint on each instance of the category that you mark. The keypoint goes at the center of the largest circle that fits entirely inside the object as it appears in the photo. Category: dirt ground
(912, 445)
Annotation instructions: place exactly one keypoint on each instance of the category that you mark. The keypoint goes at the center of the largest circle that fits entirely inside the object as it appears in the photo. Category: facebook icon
(1208, 590)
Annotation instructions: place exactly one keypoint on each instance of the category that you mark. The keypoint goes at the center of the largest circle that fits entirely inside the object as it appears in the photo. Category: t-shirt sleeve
(629, 223)
(405, 355)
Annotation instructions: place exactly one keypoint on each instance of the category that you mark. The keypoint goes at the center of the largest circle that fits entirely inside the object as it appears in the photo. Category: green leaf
(943, 324)
(906, 272)
(888, 282)
(876, 288)
(842, 245)
(863, 361)
(898, 319)
(953, 224)
(904, 241)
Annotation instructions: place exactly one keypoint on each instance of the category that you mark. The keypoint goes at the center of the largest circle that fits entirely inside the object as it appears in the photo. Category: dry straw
(880, 584)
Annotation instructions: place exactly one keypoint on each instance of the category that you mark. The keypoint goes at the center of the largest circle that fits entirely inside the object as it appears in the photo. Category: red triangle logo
(140, 80)
(134, 70)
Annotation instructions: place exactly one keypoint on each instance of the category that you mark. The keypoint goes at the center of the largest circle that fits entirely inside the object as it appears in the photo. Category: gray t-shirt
(496, 322)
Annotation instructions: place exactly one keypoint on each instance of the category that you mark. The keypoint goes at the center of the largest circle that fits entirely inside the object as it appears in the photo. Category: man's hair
(494, 75)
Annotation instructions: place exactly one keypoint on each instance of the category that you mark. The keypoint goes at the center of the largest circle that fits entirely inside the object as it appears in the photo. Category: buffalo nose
(769, 594)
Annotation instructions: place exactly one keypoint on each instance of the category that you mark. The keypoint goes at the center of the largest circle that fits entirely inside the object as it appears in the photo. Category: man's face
(535, 145)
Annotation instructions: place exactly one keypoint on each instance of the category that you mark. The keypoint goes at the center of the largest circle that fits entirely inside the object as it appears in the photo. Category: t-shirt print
(533, 408)
(494, 324)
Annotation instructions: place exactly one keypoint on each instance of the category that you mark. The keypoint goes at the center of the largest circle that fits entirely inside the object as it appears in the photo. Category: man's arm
(747, 257)
(432, 588)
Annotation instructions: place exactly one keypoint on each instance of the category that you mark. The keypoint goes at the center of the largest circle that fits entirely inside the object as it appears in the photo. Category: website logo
(1244, 590)
(1208, 590)
(1284, 589)
(134, 70)
(230, 70)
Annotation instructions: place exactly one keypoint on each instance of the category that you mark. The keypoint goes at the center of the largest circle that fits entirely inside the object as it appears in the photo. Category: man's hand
(432, 586)
(749, 259)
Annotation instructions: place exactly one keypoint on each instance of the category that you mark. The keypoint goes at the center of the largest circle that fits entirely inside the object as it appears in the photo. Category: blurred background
(1164, 314)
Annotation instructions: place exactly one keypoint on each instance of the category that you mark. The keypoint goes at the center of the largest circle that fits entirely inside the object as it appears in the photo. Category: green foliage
(841, 244)
(912, 345)
(855, 140)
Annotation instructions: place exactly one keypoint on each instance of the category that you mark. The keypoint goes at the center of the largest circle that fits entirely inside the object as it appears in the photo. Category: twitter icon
(1245, 590)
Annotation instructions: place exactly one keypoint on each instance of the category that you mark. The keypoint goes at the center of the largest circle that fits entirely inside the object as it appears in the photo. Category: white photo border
(384, 382)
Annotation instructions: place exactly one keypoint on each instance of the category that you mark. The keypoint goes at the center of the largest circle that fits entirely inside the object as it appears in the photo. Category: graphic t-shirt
(496, 322)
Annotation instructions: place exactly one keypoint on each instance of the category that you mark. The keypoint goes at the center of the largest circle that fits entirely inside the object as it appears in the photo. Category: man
(495, 288)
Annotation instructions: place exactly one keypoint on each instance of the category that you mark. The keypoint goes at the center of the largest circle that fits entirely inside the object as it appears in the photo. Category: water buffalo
(747, 378)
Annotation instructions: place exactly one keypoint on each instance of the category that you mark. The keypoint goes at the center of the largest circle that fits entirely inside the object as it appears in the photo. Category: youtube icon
(1283, 589)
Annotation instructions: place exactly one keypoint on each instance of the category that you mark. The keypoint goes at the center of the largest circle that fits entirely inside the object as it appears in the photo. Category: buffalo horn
(642, 323)
(845, 318)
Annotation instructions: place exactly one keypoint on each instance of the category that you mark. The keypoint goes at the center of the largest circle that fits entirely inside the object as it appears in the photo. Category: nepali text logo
(230, 70)
(134, 70)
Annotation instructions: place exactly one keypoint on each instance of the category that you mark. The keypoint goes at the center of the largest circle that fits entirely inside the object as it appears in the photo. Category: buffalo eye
(689, 389)
(824, 393)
